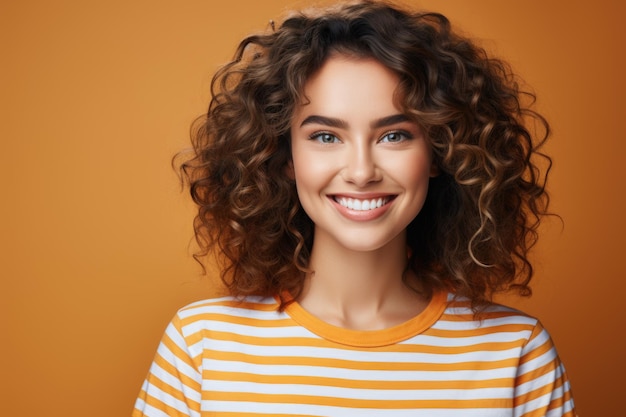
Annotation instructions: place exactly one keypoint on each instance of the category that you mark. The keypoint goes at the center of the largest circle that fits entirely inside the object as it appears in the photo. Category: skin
(351, 142)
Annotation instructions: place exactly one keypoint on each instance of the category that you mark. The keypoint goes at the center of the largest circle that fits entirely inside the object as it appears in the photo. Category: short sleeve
(173, 384)
(542, 388)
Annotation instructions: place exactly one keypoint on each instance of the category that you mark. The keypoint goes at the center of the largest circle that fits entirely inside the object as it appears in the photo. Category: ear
(434, 170)
(289, 171)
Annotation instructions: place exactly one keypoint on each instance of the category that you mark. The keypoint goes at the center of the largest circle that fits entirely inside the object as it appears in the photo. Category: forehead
(347, 85)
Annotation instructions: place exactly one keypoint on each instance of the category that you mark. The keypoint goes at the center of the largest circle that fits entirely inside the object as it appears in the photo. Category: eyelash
(403, 133)
(318, 135)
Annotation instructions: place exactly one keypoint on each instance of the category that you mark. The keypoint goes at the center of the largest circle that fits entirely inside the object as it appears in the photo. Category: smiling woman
(370, 181)
(351, 145)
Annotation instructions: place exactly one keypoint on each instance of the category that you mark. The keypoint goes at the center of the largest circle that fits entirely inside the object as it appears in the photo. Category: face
(360, 165)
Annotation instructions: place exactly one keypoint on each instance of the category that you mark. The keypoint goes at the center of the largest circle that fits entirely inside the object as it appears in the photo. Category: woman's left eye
(394, 137)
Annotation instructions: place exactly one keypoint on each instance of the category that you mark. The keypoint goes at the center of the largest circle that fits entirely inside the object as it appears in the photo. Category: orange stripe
(160, 405)
(539, 392)
(361, 403)
(181, 354)
(171, 369)
(536, 373)
(321, 343)
(249, 414)
(357, 384)
(537, 352)
(163, 386)
(246, 321)
(483, 316)
(555, 403)
(481, 331)
(354, 365)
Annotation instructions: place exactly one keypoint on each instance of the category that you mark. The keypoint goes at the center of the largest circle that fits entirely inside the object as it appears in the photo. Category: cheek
(310, 168)
(412, 170)
(304, 174)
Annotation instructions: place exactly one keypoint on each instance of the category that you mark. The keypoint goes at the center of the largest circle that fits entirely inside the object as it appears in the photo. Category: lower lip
(361, 215)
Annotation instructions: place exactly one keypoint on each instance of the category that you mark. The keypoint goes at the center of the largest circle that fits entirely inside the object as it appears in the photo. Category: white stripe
(174, 360)
(485, 324)
(233, 311)
(540, 339)
(357, 393)
(357, 374)
(358, 355)
(248, 299)
(296, 332)
(175, 383)
(148, 410)
(545, 379)
(558, 412)
(169, 400)
(276, 409)
(458, 341)
(244, 330)
(230, 310)
(536, 404)
(460, 310)
(537, 362)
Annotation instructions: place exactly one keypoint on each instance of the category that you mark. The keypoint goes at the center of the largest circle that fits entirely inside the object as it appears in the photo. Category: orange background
(97, 96)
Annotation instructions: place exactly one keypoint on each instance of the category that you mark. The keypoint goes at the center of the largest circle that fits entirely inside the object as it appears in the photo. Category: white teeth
(362, 205)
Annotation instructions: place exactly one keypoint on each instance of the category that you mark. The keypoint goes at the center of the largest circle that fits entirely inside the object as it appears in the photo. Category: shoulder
(221, 314)
(492, 319)
(461, 308)
(225, 307)
(223, 304)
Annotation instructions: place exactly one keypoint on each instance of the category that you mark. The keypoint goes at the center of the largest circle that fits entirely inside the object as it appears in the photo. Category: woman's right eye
(324, 137)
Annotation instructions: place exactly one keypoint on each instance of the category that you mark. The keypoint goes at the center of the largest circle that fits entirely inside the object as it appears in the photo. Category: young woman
(368, 179)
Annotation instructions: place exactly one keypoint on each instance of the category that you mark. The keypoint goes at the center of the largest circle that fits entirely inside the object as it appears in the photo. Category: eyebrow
(326, 121)
(342, 124)
(390, 120)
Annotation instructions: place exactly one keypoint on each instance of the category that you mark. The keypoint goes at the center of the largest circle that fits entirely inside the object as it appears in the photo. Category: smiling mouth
(362, 205)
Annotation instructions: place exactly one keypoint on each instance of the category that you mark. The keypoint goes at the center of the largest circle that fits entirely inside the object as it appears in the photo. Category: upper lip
(362, 196)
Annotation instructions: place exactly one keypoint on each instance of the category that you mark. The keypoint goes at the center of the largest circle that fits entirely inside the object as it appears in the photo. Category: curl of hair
(482, 211)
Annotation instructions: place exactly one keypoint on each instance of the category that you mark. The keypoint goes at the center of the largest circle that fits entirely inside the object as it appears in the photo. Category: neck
(360, 289)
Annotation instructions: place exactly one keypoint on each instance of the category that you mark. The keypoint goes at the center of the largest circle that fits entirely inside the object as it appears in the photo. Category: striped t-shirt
(224, 357)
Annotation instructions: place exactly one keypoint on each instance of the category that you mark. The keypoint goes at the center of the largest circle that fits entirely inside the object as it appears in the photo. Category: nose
(360, 167)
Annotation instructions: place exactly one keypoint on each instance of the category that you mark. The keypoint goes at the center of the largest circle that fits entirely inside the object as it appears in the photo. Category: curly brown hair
(482, 211)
